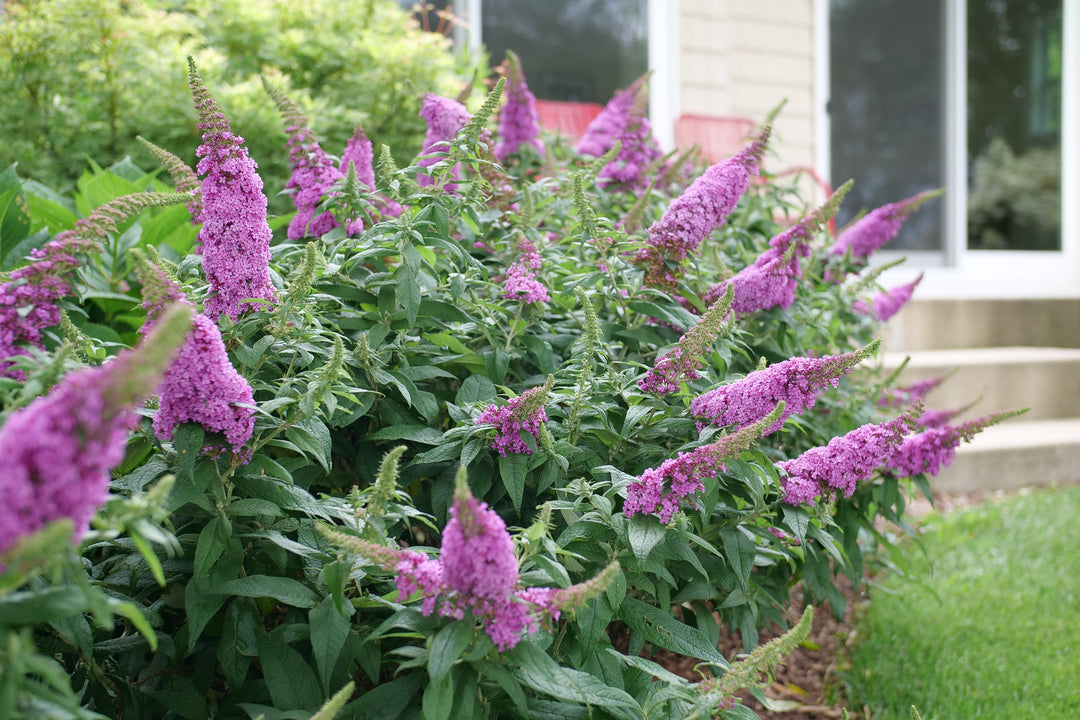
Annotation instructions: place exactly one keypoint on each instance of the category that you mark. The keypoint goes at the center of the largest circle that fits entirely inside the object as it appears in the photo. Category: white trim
(663, 60)
(954, 243)
(474, 13)
(822, 93)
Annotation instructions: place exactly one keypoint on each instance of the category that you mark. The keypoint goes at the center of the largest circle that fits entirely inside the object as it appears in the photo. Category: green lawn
(989, 625)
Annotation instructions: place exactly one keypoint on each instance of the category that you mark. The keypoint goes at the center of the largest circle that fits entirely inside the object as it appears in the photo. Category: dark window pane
(1014, 124)
(579, 50)
(887, 77)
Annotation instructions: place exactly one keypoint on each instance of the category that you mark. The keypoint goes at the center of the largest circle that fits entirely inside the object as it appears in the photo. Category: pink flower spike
(519, 123)
(445, 117)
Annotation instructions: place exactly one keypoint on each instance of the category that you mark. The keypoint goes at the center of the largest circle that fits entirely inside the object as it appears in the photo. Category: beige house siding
(741, 58)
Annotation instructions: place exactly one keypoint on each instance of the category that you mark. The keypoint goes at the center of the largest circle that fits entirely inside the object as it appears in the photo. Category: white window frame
(957, 272)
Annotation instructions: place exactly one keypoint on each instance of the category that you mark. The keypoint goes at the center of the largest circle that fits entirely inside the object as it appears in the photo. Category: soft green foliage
(347, 63)
(986, 621)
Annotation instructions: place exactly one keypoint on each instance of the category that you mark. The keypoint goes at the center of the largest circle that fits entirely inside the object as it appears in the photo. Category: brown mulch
(809, 684)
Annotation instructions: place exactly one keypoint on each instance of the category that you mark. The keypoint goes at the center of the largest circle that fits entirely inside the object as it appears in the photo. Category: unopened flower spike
(480, 118)
(184, 178)
(869, 277)
(631, 222)
(593, 169)
(934, 448)
(235, 235)
(574, 597)
(660, 491)
(385, 487)
(584, 209)
(681, 363)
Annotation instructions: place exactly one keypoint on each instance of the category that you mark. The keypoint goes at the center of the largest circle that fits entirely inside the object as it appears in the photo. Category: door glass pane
(578, 50)
(887, 112)
(1014, 124)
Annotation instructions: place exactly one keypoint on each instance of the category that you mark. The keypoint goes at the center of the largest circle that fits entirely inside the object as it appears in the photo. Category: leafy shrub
(348, 63)
(506, 401)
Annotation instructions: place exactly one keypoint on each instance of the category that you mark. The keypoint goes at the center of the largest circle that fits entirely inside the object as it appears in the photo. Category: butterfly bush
(235, 236)
(359, 154)
(796, 382)
(934, 448)
(845, 461)
(604, 130)
(682, 362)
(700, 209)
(56, 453)
(523, 414)
(200, 385)
(444, 117)
(888, 303)
(871, 232)
(519, 123)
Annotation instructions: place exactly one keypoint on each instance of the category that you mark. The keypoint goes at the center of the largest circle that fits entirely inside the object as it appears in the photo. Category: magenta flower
(637, 151)
(523, 414)
(358, 152)
(477, 552)
(519, 123)
(934, 448)
(605, 128)
(312, 177)
(897, 397)
(873, 230)
(889, 302)
(796, 382)
(692, 216)
(235, 235)
(844, 462)
(761, 287)
(445, 117)
(660, 491)
(56, 453)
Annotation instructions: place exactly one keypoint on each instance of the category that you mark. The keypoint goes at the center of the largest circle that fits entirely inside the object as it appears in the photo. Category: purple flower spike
(519, 123)
(934, 448)
(235, 236)
(524, 413)
(445, 117)
(888, 303)
(477, 552)
(796, 382)
(56, 453)
(358, 151)
(847, 460)
(878, 227)
(692, 216)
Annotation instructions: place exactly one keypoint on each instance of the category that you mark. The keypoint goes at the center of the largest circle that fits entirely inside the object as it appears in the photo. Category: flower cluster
(521, 283)
(659, 491)
(796, 382)
(444, 117)
(235, 236)
(845, 461)
(702, 208)
(523, 414)
(56, 453)
(761, 287)
(682, 362)
(313, 173)
(200, 385)
(358, 153)
(934, 448)
(605, 129)
(478, 572)
(898, 397)
(519, 123)
(889, 302)
(873, 230)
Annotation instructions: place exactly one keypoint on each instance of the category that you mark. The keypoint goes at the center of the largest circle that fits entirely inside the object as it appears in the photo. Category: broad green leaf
(213, 540)
(447, 647)
(283, 589)
(740, 552)
(414, 433)
(313, 439)
(289, 677)
(386, 701)
(408, 291)
(30, 607)
(475, 388)
(201, 603)
(644, 533)
(660, 628)
(513, 469)
(797, 519)
(541, 673)
(438, 700)
(506, 680)
(238, 643)
(188, 439)
(329, 631)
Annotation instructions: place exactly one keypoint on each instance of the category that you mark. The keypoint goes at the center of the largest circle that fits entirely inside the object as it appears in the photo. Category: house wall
(742, 58)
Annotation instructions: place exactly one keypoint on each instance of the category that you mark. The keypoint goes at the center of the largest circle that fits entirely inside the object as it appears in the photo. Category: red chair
(568, 118)
(717, 137)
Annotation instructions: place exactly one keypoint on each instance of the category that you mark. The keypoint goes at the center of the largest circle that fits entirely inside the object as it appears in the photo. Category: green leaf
(289, 678)
(740, 552)
(313, 439)
(188, 439)
(644, 533)
(238, 643)
(828, 543)
(447, 647)
(329, 631)
(283, 589)
(201, 603)
(438, 701)
(475, 388)
(797, 519)
(414, 433)
(386, 701)
(660, 628)
(673, 314)
(213, 540)
(285, 496)
(30, 607)
(513, 469)
(407, 291)
(506, 680)
(541, 673)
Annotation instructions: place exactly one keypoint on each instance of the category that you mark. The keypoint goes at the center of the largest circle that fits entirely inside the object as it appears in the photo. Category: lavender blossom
(934, 448)
(523, 414)
(692, 216)
(605, 128)
(796, 382)
(844, 462)
(235, 235)
(519, 123)
(56, 453)
(889, 302)
(761, 287)
(358, 152)
(445, 117)
(872, 231)
(660, 491)
(521, 283)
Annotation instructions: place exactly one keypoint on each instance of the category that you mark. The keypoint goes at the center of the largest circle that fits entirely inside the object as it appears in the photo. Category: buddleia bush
(470, 438)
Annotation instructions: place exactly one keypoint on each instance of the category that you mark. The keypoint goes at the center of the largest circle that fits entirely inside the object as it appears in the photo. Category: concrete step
(937, 324)
(1046, 379)
(1015, 454)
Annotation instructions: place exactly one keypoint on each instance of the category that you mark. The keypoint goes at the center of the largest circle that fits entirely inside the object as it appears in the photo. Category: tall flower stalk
(519, 123)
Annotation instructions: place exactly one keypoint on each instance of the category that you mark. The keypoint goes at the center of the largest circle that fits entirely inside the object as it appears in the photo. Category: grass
(988, 626)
